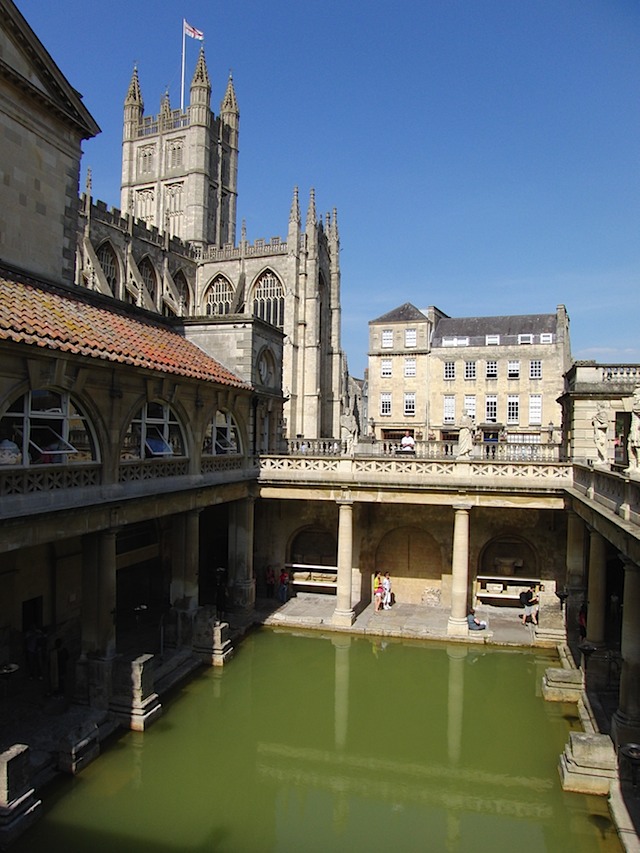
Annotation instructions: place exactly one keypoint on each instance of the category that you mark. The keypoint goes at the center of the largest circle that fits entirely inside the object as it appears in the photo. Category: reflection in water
(314, 743)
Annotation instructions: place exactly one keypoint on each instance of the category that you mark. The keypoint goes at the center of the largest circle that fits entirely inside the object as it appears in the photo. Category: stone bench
(496, 589)
(322, 577)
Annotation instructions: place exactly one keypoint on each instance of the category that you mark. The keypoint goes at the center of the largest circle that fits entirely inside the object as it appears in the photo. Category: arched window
(109, 264)
(218, 297)
(154, 432)
(149, 277)
(183, 293)
(222, 436)
(268, 299)
(45, 427)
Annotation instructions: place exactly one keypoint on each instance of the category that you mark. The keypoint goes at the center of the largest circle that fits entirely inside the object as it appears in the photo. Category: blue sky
(482, 154)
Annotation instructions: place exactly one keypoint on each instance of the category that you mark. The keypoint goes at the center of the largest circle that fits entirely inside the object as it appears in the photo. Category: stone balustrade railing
(615, 491)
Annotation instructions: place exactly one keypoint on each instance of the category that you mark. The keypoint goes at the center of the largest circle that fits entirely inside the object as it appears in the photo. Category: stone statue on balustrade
(633, 442)
(600, 424)
(465, 438)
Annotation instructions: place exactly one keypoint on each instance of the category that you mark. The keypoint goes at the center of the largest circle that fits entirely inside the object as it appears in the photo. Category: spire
(311, 211)
(294, 215)
(201, 75)
(334, 224)
(229, 103)
(134, 95)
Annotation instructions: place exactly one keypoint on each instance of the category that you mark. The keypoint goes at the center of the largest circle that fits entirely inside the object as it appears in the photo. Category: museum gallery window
(492, 370)
(449, 409)
(385, 403)
(513, 409)
(387, 338)
(513, 370)
(469, 370)
(45, 427)
(218, 298)
(491, 409)
(385, 368)
(409, 404)
(449, 370)
(535, 409)
(535, 369)
(410, 337)
(268, 299)
(154, 432)
(409, 367)
(222, 436)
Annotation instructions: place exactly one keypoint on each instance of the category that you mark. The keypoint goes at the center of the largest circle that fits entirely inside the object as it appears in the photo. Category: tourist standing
(283, 586)
(386, 591)
(378, 591)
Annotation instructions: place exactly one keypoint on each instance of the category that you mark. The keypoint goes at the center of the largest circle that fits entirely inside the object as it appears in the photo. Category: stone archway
(314, 546)
(509, 554)
(414, 560)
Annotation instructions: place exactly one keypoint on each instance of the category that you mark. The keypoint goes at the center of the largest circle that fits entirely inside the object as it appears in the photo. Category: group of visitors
(382, 597)
(283, 583)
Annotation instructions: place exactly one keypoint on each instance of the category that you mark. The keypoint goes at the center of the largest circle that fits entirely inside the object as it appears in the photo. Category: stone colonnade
(625, 727)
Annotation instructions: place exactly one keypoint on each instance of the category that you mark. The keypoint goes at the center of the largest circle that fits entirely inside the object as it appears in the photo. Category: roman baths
(199, 644)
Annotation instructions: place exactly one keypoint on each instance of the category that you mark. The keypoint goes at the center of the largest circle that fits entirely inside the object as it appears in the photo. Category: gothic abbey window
(222, 436)
(154, 432)
(149, 277)
(174, 151)
(145, 206)
(145, 159)
(218, 297)
(268, 299)
(45, 427)
(183, 294)
(109, 264)
(173, 208)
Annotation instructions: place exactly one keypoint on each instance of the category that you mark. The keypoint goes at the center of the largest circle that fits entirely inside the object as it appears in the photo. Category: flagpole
(182, 82)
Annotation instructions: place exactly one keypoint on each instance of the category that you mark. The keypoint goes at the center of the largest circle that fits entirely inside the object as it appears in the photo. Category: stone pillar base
(211, 641)
(562, 685)
(134, 701)
(78, 748)
(343, 618)
(457, 627)
(624, 729)
(19, 806)
(588, 764)
(243, 594)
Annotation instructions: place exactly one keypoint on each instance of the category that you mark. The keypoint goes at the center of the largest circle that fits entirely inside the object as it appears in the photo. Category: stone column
(457, 625)
(597, 589)
(575, 581)
(106, 611)
(344, 615)
(625, 724)
(241, 526)
(185, 560)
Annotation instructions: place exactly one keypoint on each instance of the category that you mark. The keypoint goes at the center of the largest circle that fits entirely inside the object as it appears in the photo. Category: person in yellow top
(377, 591)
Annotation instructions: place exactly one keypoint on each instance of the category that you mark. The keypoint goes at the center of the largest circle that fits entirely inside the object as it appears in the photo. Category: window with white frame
(449, 412)
(470, 405)
(525, 339)
(409, 367)
(546, 338)
(535, 409)
(409, 404)
(492, 370)
(513, 370)
(513, 409)
(387, 338)
(492, 340)
(535, 369)
(44, 427)
(449, 370)
(221, 436)
(385, 403)
(385, 368)
(410, 337)
(491, 408)
(154, 432)
(469, 370)
(454, 341)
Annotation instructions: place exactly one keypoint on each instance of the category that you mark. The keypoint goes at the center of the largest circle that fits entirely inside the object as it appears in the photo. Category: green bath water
(334, 743)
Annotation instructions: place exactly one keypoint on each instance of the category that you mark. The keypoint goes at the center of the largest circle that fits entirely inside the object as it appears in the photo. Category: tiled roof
(505, 326)
(403, 314)
(50, 317)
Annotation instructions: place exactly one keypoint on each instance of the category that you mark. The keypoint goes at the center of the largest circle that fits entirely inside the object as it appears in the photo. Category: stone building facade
(429, 373)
